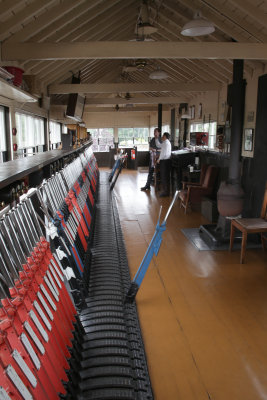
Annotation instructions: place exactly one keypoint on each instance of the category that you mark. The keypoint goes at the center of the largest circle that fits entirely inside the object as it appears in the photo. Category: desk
(180, 160)
(191, 176)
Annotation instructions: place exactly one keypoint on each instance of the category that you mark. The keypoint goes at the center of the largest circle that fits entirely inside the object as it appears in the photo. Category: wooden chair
(250, 225)
(192, 193)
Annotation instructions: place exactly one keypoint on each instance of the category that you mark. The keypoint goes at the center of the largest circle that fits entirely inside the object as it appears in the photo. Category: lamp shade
(143, 25)
(146, 28)
(158, 74)
(198, 26)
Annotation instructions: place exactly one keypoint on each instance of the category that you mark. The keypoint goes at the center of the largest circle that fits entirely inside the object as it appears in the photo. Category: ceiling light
(144, 27)
(158, 74)
(198, 26)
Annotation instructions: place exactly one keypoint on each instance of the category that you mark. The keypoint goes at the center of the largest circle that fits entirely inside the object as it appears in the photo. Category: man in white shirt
(165, 163)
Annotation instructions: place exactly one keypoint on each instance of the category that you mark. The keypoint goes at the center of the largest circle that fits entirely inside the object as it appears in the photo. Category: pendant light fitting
(198, 26)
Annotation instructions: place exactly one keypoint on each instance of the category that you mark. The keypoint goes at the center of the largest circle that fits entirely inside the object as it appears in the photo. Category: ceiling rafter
(77, 64)
(193, 67)
(30, 64)
(48, 18)
(251, 10)
(219, 22)
(6, 8)
(67, 22)
(23, 16)
(174, 24)
(112, 27)
(241, 22)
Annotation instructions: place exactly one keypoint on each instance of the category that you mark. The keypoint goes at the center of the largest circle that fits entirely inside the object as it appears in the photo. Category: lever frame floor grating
(108, 360)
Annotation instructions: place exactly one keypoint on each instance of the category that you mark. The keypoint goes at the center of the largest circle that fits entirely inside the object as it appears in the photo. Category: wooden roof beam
(120, 50)
(132, 87)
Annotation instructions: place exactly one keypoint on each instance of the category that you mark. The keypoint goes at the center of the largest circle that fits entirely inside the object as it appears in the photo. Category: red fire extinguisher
(133, 154)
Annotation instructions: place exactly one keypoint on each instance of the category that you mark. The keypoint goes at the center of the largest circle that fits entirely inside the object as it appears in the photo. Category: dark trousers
(150, 174)
(165, 172)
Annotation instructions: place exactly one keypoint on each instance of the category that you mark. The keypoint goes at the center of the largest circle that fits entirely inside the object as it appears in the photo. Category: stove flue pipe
(238, 104)
(230, 195)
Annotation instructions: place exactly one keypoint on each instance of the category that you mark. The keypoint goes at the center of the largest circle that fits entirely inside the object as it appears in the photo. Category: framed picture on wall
(193, 112)
(248, 139)
(199, 111)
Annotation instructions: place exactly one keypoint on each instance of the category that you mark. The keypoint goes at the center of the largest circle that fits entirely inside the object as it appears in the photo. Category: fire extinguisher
(133, 154)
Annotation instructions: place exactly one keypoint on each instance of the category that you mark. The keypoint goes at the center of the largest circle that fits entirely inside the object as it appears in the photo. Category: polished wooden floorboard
(203, 315)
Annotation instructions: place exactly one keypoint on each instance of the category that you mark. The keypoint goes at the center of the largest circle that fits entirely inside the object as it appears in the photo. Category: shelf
(14, 93)
(11, 171)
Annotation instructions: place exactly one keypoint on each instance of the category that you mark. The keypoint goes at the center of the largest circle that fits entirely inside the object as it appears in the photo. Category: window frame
(3, 138)
(30, 143)
(55, 134)
(132, 139)
(97, 141)
(211, 128)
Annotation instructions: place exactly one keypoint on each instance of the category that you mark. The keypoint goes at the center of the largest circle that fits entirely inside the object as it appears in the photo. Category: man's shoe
(145, 188)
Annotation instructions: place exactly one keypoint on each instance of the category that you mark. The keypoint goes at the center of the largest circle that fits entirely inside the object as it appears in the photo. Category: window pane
(211, 128)
(30, 130)
(2, 130)
(126, 137)
(165, 128)
(141, 138)
(103, 139)
(55, 132)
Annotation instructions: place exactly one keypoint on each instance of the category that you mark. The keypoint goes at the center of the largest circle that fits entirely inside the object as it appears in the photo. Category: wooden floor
(203, 315)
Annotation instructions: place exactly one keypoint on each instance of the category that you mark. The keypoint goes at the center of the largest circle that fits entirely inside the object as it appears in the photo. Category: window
(103, 139)
(55, 133)
(2, 130)
(210, 127)
(164, 128)
(129, 137)
(30, 132)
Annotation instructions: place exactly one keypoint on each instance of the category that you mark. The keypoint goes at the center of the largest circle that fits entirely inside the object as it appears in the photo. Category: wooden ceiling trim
(167, 25)
(85, 65)
(185, 17)
(220, 23)
(66, 69)
(184, 74)
(112, 29)
(86, 16)
(251, 10)
(48, 18)
(31, 64)
(226, 63)
(81, 30)
(167, 18)
(95, 72)
(67, 22)
(240, 22)
(63, 74)
(214, 71)
(24, 15)
(194, 70)
(6, 8)
(48, 68)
